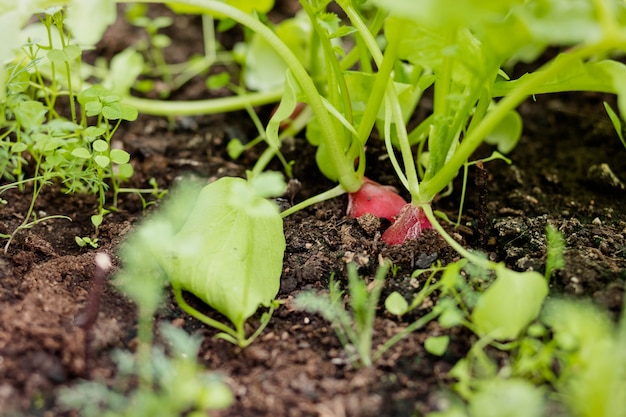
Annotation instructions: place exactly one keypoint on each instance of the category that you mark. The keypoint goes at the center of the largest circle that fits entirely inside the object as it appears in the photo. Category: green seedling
(179, 384)
(555, 252)
(86, 241)
(74, 152)
(587, 380)
(354, 327)
(223, 243)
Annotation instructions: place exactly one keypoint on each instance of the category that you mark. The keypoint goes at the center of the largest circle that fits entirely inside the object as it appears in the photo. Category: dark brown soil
(298, 367)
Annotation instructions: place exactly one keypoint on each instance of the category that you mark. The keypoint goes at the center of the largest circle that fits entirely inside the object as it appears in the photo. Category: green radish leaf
(509, 304)
(247, 6)
(18, 147)
(507, 133)
(284, 111)
(616, 122)
(514, 397)
(230, 250)
(264, 67)
(88, 19)
(124, 70)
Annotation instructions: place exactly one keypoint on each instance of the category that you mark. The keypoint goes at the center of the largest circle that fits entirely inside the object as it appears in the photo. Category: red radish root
(382, 201)
(409, 224)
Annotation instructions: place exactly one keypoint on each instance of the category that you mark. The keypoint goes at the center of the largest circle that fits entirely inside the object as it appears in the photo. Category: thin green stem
(347, 175)
(209, 106)
(421, 322)
(178, 295)
(326, 195)
(433, 185)
(476, 260)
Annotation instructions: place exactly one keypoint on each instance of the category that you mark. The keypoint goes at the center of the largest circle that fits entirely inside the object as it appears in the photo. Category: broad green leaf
(268, 184)
(112, 111)
(247, 6)
(507, 397)
(283, 112)
(94, 131)
(30, 114)
(67, 54)
(507, 132)
(88, 19)
(264, 68)
(449, 12)
(18, 147)
(229, 252)
(125, 171)
(605, 76)
(592, 381)
(129, 113)
(360, 87)
(124, 70)
(92, 93)
(93, 108)
(512, 301)
(426, 47)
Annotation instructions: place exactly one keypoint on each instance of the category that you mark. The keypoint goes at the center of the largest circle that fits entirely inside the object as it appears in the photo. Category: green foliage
(223, 243)
(616, 122)
(555, 252)
(509, 304)
(590, 354)
(354, 329)
(74, 152)
(179, 385)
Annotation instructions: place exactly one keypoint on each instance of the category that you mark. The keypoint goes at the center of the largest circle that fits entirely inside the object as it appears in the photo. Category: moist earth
(567, 171)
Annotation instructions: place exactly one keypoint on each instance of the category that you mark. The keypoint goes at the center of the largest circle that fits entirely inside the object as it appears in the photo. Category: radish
(382, 201)
(409, 224)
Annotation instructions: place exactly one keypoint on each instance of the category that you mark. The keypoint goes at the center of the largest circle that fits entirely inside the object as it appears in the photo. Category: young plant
(465, 51)
(179, 384)
(585, 345)
(223, 243)
(47, 142)
(354, 327)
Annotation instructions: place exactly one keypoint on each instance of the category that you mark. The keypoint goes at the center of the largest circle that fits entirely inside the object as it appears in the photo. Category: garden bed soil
(297, 367)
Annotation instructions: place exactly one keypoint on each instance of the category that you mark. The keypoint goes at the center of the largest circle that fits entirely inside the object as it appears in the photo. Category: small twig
(481, 222)
(88, 317)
